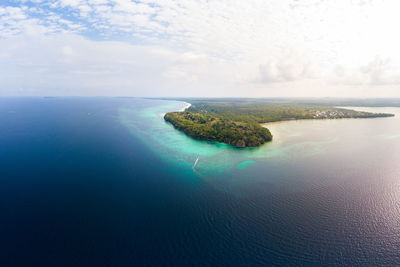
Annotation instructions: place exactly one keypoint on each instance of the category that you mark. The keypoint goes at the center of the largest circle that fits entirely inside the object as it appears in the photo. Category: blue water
(106, 182)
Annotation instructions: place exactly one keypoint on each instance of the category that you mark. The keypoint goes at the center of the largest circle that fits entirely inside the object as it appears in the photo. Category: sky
(200, 48)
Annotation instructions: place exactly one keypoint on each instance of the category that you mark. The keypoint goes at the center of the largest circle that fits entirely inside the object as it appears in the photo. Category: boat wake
(195, 163)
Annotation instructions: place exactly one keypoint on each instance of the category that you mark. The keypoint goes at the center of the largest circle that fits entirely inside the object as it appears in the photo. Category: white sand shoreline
(188, 105)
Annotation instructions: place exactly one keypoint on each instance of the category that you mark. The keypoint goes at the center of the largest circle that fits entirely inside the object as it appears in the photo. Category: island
(237, 122)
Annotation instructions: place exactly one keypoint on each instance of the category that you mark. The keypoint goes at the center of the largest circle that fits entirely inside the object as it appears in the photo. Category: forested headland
(237, 122)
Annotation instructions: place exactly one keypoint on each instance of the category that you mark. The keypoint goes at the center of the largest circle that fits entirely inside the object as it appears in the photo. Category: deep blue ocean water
(82, 183)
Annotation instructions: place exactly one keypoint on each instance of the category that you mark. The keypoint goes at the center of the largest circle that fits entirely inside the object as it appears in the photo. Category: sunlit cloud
(200, 48)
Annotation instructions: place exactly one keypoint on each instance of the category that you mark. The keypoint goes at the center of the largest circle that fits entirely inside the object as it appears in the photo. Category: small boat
(195, 163)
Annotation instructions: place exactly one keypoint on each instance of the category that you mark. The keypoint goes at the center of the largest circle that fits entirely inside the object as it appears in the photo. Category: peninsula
(237, 122)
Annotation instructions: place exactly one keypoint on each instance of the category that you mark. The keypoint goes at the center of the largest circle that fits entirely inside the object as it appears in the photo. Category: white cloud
(377, 72)
(72, 65)
(288, 68)
(214, 48)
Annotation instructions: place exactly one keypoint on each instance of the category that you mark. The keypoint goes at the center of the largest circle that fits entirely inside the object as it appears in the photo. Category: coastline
(188, 105)
(360, 109)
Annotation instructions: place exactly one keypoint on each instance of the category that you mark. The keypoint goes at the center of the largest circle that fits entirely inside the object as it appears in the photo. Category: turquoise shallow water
(318, 149)
(217, 160)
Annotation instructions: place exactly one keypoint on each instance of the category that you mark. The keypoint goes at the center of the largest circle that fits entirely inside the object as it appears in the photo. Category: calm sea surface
(106, 182)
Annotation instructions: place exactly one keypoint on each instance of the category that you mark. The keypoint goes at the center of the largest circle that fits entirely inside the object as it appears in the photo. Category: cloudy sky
(253, 48)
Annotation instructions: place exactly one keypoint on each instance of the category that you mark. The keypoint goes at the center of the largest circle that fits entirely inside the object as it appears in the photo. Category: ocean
(107, 182)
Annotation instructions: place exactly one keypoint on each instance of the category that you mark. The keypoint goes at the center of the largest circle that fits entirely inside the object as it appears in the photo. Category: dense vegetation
(263, 113)
(210, 127)
(237, 122)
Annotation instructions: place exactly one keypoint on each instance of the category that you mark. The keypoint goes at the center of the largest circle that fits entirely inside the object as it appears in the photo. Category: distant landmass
(237, 122)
